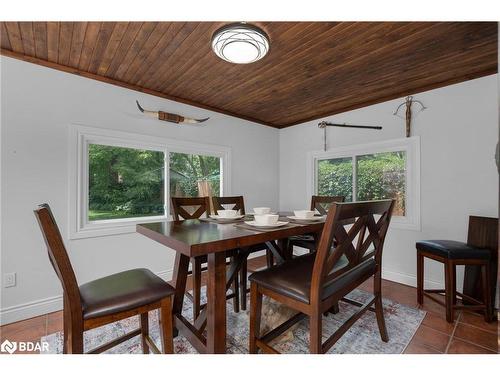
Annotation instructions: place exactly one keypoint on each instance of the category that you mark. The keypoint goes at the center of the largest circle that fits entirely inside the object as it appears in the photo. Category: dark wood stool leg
(453, 279)
(243, 285)
(73, 330)
(315, 333)
(255, 315)
(379, 308)
(196, 268)
(76, 342)
(485, 281)
(66, 326)
(144, 332)
(420, 278)
(448, 285)
(166, 325)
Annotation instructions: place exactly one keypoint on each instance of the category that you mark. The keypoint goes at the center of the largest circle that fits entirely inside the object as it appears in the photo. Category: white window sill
(113, 227)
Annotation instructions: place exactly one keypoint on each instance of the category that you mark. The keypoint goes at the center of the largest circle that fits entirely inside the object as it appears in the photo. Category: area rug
(362, 338)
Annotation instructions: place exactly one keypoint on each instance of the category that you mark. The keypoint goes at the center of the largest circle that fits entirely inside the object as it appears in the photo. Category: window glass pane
(381, 176)
(335, 177)
(194, 175)
(125, 182)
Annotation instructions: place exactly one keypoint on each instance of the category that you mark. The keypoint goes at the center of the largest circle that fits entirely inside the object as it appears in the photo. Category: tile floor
(469, 334)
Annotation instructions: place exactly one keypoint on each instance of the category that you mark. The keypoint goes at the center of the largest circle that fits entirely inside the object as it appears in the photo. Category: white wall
(458, 132)
(37, 107)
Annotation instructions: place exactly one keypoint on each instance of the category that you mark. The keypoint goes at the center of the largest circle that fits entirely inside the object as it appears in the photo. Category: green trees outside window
(194, 175)
(335, 177)
(126, 182)
(378, 176)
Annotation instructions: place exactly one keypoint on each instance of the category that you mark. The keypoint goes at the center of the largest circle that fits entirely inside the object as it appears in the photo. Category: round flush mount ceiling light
(240, 43)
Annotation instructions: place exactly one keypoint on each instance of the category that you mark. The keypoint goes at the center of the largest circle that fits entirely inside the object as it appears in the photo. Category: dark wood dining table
(192, 238)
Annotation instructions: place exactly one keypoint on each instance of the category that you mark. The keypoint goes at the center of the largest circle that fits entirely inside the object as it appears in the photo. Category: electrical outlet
(9, 280)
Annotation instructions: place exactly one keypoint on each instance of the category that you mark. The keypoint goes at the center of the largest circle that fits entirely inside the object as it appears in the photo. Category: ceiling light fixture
(240, 43)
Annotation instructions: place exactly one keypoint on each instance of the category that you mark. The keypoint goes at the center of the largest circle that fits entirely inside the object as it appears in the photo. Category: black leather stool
(451, 254)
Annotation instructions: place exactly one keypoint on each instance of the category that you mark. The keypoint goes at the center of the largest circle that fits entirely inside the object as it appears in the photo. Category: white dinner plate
(314, 218)
(253, 223)
(217, 217)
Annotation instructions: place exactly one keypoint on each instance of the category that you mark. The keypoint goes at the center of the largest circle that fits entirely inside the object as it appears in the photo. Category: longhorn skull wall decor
(170, 117)
(408, 114)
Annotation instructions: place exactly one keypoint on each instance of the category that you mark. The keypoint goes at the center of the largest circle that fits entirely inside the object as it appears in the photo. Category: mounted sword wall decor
(324, 124)
(170, 117)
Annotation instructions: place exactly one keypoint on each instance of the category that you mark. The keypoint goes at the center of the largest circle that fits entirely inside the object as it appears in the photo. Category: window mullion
(354, 178)
(166, 184)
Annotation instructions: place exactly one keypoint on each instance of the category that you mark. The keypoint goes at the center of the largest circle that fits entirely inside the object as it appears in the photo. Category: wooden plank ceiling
(312, 70)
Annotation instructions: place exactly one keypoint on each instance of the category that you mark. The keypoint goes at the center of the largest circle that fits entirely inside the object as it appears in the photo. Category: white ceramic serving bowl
(304, 214)
(261, 210)
(226, 214)
(266, 219)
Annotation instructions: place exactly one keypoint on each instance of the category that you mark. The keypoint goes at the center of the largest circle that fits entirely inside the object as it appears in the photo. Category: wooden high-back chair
(187, 208)
(312, 284)
(321, 204)
(237, 203)
(106, 300)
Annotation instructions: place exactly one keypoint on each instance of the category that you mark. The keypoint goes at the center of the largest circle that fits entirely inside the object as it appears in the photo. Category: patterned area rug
(362, 338)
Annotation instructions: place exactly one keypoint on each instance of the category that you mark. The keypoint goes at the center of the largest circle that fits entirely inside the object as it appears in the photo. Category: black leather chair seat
(122, 291)
(293, 278)
(452, 249)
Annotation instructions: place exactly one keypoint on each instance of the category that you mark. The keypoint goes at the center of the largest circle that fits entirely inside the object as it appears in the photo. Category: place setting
(305, 217)
(264, 219)
(225, 217)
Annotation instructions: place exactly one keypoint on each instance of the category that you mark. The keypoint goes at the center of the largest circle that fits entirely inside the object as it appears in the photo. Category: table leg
(216, 303)
(286, 250)
(181, 267)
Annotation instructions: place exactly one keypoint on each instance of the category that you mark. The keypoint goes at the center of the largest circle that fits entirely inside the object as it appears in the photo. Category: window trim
(411, 146)
(81, 136)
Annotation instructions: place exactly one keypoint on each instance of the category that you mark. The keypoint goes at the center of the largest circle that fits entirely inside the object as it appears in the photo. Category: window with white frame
(193, 175)
(122, 179)
(382, 170)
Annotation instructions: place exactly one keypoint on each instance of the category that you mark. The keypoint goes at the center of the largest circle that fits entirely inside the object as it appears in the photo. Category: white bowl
(225, 214)
(261, 210)
(266, 219)
(304, 214)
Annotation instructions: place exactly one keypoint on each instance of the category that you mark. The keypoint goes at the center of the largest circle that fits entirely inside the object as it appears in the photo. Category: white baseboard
(30, 309)
(47, 305)
(410, 280)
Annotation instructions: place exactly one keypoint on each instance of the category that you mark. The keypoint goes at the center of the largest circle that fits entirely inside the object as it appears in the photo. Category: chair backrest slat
(366, 230)
(182, 207)
(236, 202)
(322, 203)
(58, 255)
